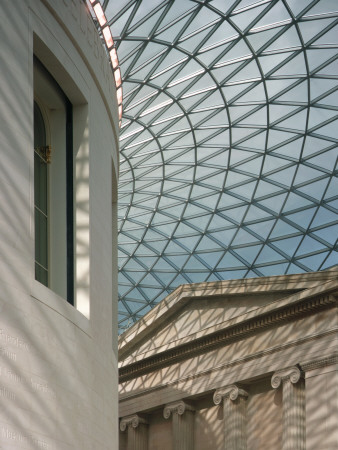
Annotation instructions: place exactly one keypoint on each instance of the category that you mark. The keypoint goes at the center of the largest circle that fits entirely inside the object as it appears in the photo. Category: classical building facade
(58, 175)
(242, 364)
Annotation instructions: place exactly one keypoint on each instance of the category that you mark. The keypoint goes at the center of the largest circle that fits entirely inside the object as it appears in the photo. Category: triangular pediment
(193, 312)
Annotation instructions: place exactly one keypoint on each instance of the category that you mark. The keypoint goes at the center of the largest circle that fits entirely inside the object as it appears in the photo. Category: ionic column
(234, 416)
(292, 381)
(182, 424)
(137, 438)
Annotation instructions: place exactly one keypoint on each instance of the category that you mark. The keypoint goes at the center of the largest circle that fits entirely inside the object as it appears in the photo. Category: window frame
(68, 262)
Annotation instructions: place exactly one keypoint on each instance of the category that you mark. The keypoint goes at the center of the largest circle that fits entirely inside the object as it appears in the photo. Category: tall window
(41, 158)
(53, 185)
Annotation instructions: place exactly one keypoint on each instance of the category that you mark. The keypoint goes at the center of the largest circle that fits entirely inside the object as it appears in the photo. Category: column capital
(176, 407)
(232, 391)
(131, 421)
(292, 374)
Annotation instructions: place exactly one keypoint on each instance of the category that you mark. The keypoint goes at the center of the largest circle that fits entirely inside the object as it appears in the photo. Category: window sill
(52, 300)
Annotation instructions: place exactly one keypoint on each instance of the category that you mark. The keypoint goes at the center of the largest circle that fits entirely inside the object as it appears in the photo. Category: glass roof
(228, 142)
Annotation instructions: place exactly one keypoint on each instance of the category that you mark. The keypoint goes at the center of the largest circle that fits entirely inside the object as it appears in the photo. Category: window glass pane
(39, 128)
(40, 199)
(41, 274)
(41, 238)
(40, 183)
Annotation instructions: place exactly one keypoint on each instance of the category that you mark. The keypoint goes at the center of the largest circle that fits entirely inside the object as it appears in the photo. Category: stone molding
(132, 421)
(319, 363)
(232, 392)
(327, 361)
(292, 374)
(226, 336)
(176, 407)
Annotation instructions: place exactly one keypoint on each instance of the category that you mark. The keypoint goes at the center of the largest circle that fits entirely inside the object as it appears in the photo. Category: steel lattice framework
(228, 142)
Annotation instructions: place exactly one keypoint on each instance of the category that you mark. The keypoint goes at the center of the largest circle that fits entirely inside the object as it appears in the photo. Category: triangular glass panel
(249, 253)
(319, 116)
(313, 262)
(328, 234)
(275, 14)
(219, 161)
(141, 27)
(333, 188)
(231, 274)
(188, 242)
(295, 66)
(329, 130)
(268, 255)
(295, 201)
(176, 260)
(310, 245)
(236, 214)
(229, 261)
(254, 213)
(233, 178)
(210, 202)
(273, 270)
(264, 188)
(117, 23)
(243, 237)
(305, 173)
(211, 258)
(163, 265)
(296, 94)
(297, 6)
(132, 264)
(246, 19)
(274, 203)
(208, 244)
(245, 190)
(323, 217)
(227, 200)
(302, 218)
(289, 245)
(193, 210)
(215, 180)
(166, 229)
(262, 229)
(272, 162)
(292, 150)
(261, 38)
(310, 29)
(170, 33)
(258, 118)
(275, 87)
(315, 189)
(194, 264)
(295, 122)
(283, 177)
(201, 222)
(225, 236)
(330, 261)
(269, 62)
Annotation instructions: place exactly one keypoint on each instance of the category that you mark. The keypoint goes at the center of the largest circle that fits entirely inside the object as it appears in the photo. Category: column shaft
(137, 432)
(182, 424)
(138, 437)
(234, 419)
(234, 416)
(292, 381)
(293, 415)
(183, 430)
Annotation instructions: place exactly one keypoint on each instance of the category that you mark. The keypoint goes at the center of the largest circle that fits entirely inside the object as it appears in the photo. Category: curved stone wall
(58, 364)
